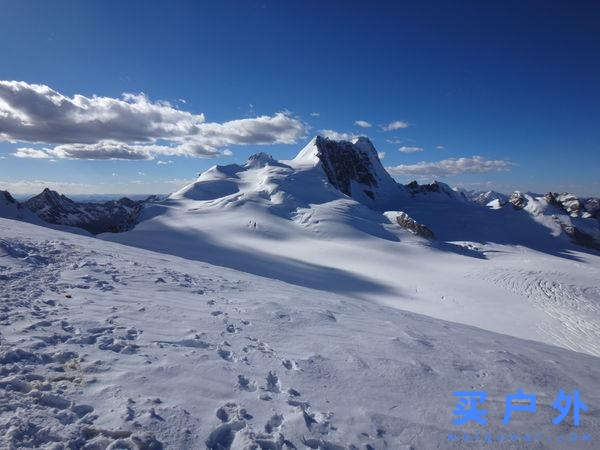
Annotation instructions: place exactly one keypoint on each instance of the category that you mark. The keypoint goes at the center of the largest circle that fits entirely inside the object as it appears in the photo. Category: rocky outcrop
(485, 198)
(113, 216)
(352, 168)
(439, 189)
(579, 236)
(410, 224)
(574, 206)
(518, 200)
(592, 207)
(6, 198)
(343, 162)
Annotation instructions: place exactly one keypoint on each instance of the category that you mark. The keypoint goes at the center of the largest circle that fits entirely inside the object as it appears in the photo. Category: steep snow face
(353, 168)
(112, 216)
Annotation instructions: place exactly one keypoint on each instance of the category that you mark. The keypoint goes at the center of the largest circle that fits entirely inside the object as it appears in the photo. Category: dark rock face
(518, 200)
(574, 206)
(344, 162)
(437, 187)
(416, 187)
(5, 195)
(484, 198)
(551, 199)
(580, 237)
(410, 224)
(592, 206)
(112, 216)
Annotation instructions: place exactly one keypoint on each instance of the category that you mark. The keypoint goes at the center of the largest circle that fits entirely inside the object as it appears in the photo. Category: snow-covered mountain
(332, 218)
(353, 168)
(349, 173)
(563, 213)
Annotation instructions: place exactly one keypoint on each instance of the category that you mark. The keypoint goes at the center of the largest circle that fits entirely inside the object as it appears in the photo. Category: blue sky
(501, 96)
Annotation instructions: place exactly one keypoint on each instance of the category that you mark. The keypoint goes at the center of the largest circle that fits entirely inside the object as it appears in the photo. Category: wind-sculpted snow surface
(108, 346)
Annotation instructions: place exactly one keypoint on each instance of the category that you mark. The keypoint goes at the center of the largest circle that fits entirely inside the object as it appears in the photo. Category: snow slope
(111, 346)
(287, 220)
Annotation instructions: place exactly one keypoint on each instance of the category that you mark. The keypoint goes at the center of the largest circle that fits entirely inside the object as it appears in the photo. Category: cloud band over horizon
(131, 127)
(451, 167)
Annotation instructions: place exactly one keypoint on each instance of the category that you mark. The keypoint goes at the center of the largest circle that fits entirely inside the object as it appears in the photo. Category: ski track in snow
(575, 308)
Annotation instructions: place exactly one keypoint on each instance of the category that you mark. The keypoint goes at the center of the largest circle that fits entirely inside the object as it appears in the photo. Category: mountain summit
(353, 168)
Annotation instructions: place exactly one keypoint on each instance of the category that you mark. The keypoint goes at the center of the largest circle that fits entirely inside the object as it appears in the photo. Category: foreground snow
(103, 344)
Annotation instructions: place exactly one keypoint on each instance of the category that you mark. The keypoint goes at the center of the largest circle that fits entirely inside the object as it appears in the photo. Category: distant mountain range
(54, 208)
(324, 170)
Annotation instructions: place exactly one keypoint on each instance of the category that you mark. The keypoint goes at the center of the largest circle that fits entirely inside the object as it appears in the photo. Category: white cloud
(28, 152)
(395, 125)
(452, 166)
(227, 152)
(130, 127)
(440, 147)
(363, 124)
(381, 155)
(405, 149)
(161, 163)
(315, 114)
(337, 136)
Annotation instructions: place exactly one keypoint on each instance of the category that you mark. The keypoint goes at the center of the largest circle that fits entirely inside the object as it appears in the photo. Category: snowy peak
(351, 167)
(261, 159)
(345, 162)
(49, 199)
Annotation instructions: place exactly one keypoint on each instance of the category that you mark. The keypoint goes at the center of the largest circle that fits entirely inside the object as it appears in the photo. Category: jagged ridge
(111, 216)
